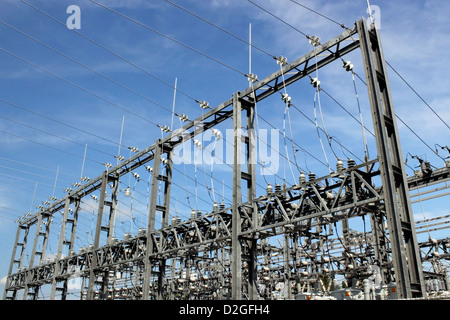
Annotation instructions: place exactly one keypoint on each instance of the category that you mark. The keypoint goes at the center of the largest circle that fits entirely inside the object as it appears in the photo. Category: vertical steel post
(405, 250)
(236, 250)
(14, 261)
(44, 218)
(250, 177)
(151, 222)
(98, 229)
(238, 175)
(164, 208)
(60, 247)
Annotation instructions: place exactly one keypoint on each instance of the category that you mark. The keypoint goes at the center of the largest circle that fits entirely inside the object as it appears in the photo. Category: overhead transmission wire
(59, 122)
(238, 38)
(220, 28)
(14, 105)
(202, 19)
(110, 51)
(318, 13)
(303, 149)
(418, 95)
(204, 172)
(168, 37)
(35, 166)
(199, 148)
(257, 115)
(243, 40)
(120, 56)
(78, 86)
(358, 75)
(278, 18)
(55, 135)
(366, 150)
(89, 67)
(313, 123)
(308, 37)
(345, 109)
(181, 187)
(301, 32)
(85, 66)
(26, 172)
(387, 62)
(48, 146)
(410, 129)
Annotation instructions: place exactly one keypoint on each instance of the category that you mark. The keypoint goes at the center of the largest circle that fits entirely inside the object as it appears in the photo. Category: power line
(110, 51)
(307, 152)
(407, 126)
(434, 151)
(220, 28)
(279, 19)
(168, 37)
(345, 109)
(312, 122)
(342, 25)
(28, 173)
(48, 146)
(85, 66)
(77, 86)
(55, 135)
(423, 100)
(320, 14)
(59, 122)
(35, 166)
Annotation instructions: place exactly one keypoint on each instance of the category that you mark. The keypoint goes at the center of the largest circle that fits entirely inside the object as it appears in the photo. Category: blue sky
(60, 92)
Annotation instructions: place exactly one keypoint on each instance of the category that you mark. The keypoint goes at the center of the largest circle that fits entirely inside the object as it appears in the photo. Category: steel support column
(62, 237)
(93, 272)
(43, 219)
(239, 105)
(405, 250)
(19, 262)
(164, 208)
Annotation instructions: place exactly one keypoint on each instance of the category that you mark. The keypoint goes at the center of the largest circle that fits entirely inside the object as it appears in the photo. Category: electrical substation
(345, 235)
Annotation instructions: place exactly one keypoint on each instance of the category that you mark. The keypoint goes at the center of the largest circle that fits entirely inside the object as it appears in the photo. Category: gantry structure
(230, 252)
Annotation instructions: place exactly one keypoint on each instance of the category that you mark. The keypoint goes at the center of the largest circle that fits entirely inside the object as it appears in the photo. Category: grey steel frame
(243, 223)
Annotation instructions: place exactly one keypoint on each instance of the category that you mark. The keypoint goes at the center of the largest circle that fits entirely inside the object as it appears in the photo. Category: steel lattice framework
(225, 254)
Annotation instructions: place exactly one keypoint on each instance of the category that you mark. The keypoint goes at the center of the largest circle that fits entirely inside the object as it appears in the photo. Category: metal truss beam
(294, 210)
